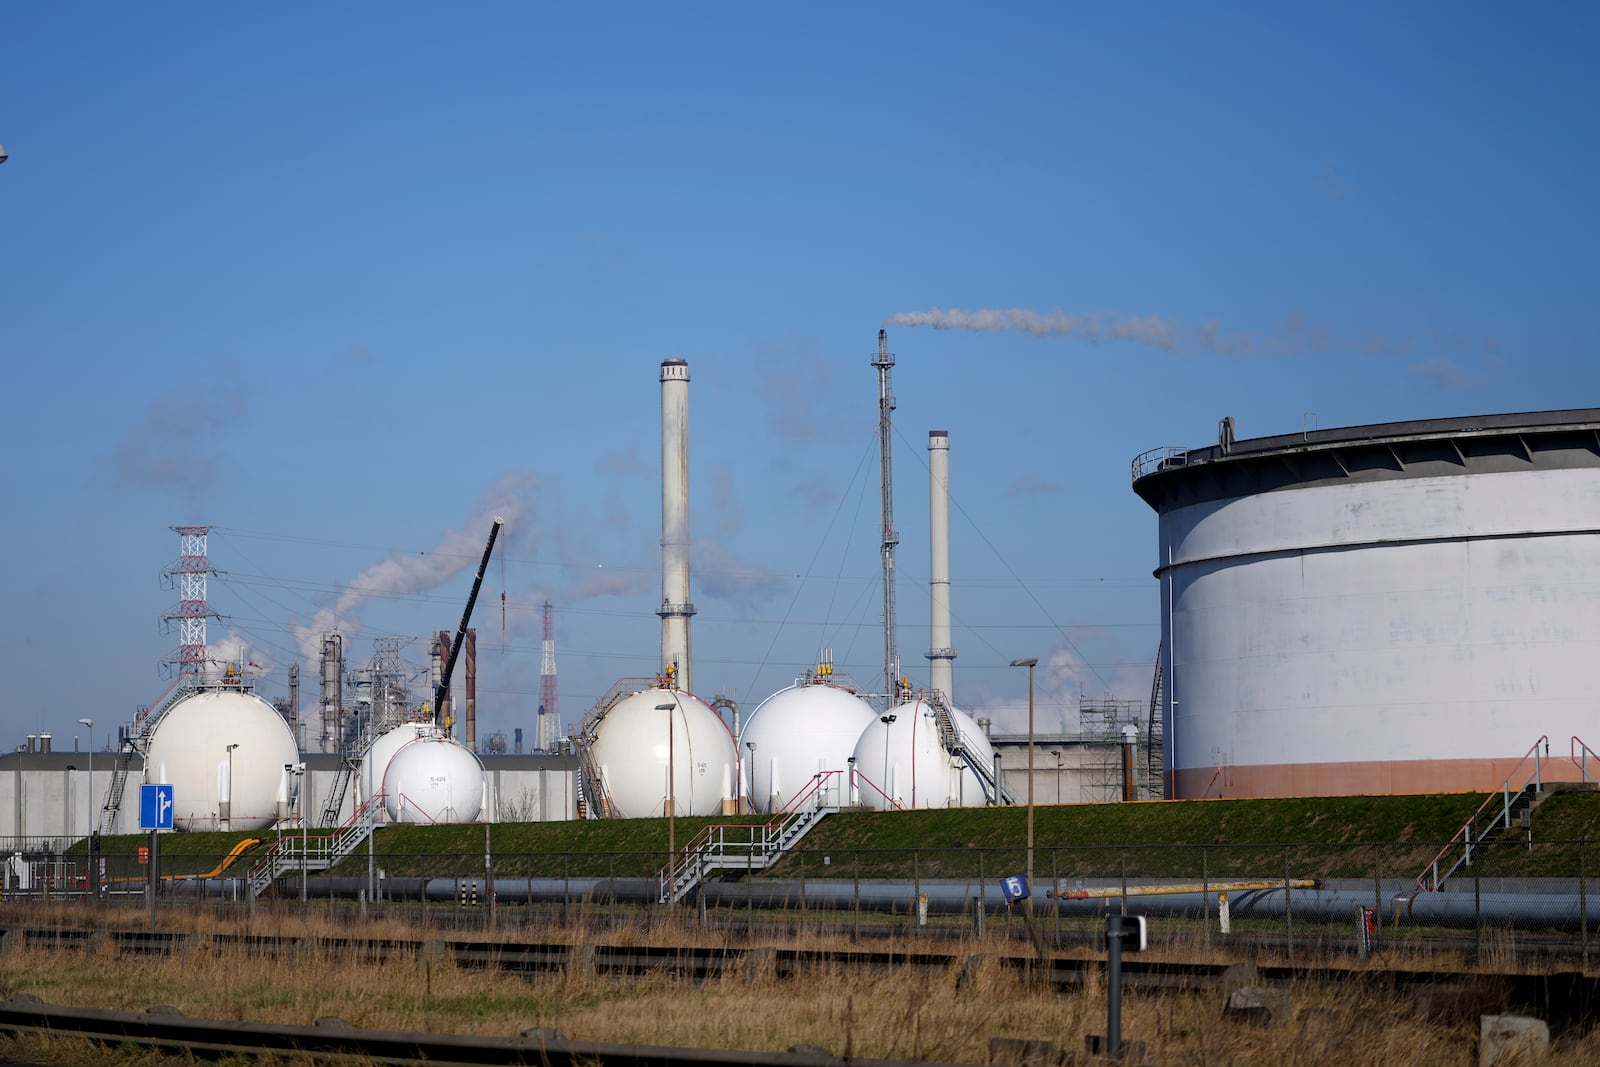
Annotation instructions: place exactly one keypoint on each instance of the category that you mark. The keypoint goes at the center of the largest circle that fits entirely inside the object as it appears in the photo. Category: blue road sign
(1015, 888)
(155, 807)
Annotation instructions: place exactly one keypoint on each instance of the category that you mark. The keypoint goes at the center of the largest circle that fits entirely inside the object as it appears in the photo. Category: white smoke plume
(458, 550)
(1091, 326)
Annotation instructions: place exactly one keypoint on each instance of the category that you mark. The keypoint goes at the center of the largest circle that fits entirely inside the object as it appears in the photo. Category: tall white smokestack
(941, 676)
(675, 606)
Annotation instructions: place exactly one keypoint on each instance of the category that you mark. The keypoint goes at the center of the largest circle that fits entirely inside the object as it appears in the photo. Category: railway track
(1562, 997)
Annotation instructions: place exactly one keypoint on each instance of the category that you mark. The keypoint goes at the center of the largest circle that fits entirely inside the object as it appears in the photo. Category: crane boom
(466, 616)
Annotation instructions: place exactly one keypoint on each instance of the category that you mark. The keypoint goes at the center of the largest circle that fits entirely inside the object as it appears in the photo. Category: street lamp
(672, 786)
(888, 788)
(1030, 663)
(88, 830)
(298, 771)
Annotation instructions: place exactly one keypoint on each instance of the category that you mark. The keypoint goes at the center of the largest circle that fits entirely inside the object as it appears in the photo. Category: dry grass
(901, 1015)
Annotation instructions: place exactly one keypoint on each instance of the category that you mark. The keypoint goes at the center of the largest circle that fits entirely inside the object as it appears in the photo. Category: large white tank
(190, 751)
(901, 762)
(1397, 608)
(375, 761)
(797, 733)
(634, 747)
(433, 779)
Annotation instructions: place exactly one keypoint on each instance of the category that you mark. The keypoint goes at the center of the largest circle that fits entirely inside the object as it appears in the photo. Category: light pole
(227, 814)
(88, 830)
(672, 787)
(887, 788)
(298, 771)
(1030, 663)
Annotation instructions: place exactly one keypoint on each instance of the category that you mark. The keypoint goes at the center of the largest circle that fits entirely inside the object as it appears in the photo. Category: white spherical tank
(433, 779)
(1399, 608)
(375, 761)
(212, 787)
(796, 734)
(634, 747)
(902, 763)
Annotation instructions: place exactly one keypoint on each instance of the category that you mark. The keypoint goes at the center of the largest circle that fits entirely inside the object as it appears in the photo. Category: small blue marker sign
(1015, 888)
(155, 807)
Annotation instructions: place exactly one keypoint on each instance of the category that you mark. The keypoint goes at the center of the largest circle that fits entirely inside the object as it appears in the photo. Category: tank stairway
(1511, 808)
(993, 791)
(313, 852)
(341, 783)
(144, 723)
(743, 846)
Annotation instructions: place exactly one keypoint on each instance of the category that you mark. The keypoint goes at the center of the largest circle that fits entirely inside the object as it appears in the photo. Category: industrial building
(1399, 608)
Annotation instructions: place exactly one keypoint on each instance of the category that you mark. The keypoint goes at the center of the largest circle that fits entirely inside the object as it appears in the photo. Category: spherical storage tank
(375, 761)
(901, 761)
(190, 751)
(433, 779)
(797, 733)
(633, 748)
(1399, 608)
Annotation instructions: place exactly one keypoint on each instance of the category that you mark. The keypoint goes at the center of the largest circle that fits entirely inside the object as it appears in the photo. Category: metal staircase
(950, 737)
(1499, 810)
(319, 852)
(742, 846)
(341, 783)
(144, 723)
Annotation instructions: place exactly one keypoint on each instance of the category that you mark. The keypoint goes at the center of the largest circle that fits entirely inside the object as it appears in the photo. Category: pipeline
(1563, 910)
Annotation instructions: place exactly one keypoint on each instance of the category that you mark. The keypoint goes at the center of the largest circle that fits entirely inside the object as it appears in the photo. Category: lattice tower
(188, 574)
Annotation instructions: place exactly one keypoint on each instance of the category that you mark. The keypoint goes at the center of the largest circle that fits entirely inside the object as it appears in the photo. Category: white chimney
(675, 607)
(941, 655)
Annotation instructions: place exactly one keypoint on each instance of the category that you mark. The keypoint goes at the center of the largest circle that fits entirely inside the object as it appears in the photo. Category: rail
(313, 852)
(1430, 879)
(893, 804)
(1580, 757)
(1159, 459)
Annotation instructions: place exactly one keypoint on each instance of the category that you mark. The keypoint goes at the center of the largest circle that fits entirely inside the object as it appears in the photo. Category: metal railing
(1159, 459)
(1581, 752)
(1471, 833)
(752, 846)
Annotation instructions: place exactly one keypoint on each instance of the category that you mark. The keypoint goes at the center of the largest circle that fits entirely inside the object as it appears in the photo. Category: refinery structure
(1385, 609)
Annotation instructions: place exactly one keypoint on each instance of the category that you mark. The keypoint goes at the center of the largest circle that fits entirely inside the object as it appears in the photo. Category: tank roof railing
(623, 687)
(1158, 459)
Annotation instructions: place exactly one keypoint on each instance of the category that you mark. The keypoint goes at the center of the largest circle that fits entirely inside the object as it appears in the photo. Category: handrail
(1464, 835)
(813, 788)
(893, 803)
(1159, 459)
(1583, 751)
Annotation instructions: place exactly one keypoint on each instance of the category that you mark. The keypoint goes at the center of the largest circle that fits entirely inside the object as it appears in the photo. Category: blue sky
(342, 281)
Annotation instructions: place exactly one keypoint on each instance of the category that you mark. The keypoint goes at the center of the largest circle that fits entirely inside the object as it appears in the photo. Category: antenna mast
(891, 660)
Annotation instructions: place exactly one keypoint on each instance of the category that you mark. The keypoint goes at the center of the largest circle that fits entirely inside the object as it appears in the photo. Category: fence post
(1377, 896)
(1477, 912)
(1583, 906)
(802, 859)
(1205, 896)
(1288, 908)
(856, 930)
(1123, 853)
(1055, 902)
(916, 888)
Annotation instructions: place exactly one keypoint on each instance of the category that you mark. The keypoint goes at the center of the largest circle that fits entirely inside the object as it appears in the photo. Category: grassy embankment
(1337, 837)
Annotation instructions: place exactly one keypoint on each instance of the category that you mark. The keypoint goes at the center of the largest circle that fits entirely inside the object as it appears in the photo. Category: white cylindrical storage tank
(637, 744)
(1400, 608)
(797, 734)
(433, 779)
(190, 748)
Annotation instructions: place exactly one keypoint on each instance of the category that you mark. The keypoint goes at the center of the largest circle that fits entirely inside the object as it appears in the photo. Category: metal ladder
(134, 746)
(341, 782)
